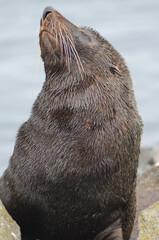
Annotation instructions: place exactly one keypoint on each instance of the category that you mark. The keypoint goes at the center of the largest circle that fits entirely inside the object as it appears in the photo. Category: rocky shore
(146, 223)
(9, 230)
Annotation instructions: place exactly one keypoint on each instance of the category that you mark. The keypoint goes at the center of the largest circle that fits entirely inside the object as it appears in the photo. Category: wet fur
(72, 174)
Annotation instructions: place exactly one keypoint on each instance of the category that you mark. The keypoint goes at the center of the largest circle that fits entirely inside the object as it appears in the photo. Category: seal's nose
(47, 10)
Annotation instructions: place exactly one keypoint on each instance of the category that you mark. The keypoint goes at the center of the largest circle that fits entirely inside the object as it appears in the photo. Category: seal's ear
(114, 69)
(113, 232)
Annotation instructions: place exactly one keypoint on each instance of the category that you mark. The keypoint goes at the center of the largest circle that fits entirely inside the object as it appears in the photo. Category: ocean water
(132, 28)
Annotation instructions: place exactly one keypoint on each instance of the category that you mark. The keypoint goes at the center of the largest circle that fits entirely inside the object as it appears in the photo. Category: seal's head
(66, 47)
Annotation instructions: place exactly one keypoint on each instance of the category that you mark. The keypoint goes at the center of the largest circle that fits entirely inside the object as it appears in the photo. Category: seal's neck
(63, 81)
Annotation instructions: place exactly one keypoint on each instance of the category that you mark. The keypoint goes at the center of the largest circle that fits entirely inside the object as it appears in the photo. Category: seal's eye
(86, 36)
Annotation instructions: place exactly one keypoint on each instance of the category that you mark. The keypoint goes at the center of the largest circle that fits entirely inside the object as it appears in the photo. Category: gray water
(131, 26)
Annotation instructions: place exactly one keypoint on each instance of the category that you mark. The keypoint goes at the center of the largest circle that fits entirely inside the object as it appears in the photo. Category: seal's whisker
(56, 36)
(72, 49)
(69, 53)
(68, 49)
(68, 56)
(78, 60)
(76, 53)
(61, 46)
(55, 32)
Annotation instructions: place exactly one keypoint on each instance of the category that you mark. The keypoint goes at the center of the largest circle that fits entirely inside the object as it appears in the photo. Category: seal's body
(73, 170)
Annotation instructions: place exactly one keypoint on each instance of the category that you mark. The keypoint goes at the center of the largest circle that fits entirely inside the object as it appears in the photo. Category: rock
(149, 223)
(9, 230)
(147, 194)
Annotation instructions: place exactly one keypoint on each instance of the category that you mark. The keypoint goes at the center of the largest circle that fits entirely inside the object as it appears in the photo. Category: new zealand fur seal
(72, 175)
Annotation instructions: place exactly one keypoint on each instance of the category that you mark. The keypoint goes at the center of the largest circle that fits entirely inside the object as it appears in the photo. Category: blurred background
(131, 26)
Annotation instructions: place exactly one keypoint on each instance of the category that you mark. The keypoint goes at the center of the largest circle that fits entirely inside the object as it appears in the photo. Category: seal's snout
(47, 10)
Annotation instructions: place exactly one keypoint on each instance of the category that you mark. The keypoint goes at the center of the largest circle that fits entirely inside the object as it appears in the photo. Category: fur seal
(72, 174)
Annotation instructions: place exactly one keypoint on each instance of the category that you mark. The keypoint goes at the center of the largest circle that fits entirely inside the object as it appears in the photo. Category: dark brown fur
(72, 174)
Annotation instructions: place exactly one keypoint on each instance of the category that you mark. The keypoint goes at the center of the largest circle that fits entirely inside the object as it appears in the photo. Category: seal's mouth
(57, 39)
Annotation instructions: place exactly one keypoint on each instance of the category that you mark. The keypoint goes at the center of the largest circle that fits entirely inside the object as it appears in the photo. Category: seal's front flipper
(113, 232)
